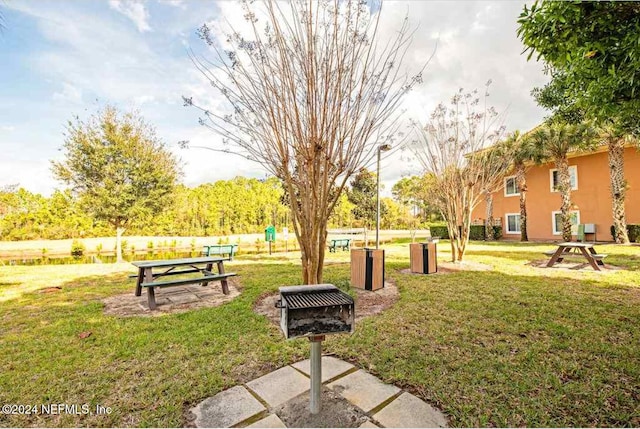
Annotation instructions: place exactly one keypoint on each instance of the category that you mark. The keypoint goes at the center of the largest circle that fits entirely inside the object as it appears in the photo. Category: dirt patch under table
(169, 300)
(367, 302)
(579, 266)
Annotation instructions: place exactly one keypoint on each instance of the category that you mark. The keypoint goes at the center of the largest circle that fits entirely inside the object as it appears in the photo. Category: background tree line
(237, 206)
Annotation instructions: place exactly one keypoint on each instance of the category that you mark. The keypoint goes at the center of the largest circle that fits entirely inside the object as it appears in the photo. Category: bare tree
(455, 147)
(312, 93)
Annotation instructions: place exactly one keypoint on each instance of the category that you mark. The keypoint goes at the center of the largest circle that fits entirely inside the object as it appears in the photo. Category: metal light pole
(382, 148)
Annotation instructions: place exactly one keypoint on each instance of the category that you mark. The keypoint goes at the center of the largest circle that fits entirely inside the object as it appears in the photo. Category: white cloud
(7, 128)
(69, 93)
(90, 54)
(142, 99)
(135, 10)
(174, 3)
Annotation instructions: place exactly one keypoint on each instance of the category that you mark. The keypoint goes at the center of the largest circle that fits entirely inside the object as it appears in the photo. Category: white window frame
(574, 228)
(573, 168)
(515, 182)
(506, 223)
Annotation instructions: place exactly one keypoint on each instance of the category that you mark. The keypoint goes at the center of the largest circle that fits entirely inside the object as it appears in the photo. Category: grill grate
(313, 300)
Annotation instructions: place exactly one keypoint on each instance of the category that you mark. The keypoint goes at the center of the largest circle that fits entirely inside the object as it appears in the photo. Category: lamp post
(382, 148)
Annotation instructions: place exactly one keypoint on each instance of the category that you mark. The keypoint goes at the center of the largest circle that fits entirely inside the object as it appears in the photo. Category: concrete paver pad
(369, 424)
(363, 390)
(331, 367)
(408, 411)
(280, 385)
(227, 408)
(271, 421)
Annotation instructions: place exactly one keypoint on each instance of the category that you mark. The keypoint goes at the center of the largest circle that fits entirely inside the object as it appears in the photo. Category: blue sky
(65, 58)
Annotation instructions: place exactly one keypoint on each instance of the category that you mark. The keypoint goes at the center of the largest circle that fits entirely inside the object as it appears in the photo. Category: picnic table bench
(220, 249)
(571, 248)
(148, 279)
(342, 243)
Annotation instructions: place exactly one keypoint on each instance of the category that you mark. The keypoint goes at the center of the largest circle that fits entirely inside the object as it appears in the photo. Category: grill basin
(307, 311)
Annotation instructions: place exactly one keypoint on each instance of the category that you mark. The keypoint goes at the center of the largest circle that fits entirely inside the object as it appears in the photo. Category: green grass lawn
(512, 346)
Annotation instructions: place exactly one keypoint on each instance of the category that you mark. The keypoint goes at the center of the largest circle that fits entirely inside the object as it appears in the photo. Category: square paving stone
(364, 390)
(271, 421)
(227, 408)
(369, 424)
(408, 411)
(280, 385)
(331, 367)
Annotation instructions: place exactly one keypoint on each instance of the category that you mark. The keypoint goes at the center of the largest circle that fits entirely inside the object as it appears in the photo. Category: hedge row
(477, 232)
(632, 230)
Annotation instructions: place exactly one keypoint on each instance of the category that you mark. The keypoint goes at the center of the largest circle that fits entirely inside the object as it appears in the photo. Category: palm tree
(616, 141)
(555, 140)
(524, 153)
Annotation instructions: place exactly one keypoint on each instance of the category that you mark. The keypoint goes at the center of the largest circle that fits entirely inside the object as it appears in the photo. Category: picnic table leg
(556, 257)
(223, 282)
(151, 295)
(207, 270)
(598, 261)
(589, 258)
(139, 282)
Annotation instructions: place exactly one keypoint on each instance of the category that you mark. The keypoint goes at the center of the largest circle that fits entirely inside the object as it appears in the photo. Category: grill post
(315, 404)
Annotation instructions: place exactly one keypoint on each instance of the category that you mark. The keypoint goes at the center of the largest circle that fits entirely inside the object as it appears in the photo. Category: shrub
(77, 249)
(259, 245)
(439, 231)
(477, 232)
(633, 231)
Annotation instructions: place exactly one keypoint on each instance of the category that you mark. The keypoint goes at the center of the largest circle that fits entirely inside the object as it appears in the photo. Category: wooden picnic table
(585, 249)
(147, 278)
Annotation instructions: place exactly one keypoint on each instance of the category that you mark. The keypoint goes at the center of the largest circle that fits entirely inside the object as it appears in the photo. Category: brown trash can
(423, 257)
(367, 268)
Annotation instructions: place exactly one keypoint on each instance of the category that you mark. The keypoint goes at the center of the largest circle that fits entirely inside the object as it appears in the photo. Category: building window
(510, 186)
(513, 223)
(573, 177)
(556, 220)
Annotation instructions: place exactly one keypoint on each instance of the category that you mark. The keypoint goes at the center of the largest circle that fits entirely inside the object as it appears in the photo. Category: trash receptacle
(423, 257)
(367, 268)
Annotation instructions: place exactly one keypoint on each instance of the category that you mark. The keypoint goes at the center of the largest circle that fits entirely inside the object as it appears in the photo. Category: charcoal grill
(306, 311)
(313, 312)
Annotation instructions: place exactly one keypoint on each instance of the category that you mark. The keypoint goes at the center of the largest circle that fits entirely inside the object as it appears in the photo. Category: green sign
(270, 233)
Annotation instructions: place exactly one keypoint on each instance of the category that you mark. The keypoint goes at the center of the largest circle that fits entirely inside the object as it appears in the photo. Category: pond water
(97, 259)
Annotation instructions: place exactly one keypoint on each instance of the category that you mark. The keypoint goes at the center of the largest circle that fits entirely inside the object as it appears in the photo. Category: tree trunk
(458, 219)
(521, 179)
(312, 257)
(564, 185)
(488, 228)
(618, 189)
(119, 231)
(465, 229)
